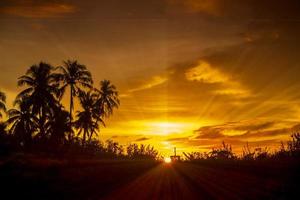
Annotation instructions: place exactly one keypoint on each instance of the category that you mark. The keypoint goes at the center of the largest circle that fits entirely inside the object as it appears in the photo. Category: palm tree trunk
(84, 138)
(41, 124)
(97, 120)
(90, 137)
(71, 105)
(71, 108)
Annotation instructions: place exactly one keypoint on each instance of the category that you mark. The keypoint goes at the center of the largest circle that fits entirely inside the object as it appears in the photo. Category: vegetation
(225, 152)
(76, 76)
(40, 123)
(47, 152)
(2, 103)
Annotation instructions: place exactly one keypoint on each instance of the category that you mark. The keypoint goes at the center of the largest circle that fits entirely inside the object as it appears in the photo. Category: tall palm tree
(23, 124)
(86, 122)
(2, 103)
(108, 98)
(42, 91)
(76, 76)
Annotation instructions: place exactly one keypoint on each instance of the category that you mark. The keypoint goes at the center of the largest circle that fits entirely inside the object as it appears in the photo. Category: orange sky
(191, 73)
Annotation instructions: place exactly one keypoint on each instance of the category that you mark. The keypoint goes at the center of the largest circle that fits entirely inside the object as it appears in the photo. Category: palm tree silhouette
(23, 124)
(2, 130)
(108, 98)
(42, 91)
(76, 76)
(87, 120)
(58, 125)
(2, 103)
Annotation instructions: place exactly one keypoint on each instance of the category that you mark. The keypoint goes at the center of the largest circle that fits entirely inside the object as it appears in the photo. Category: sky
(190, 73)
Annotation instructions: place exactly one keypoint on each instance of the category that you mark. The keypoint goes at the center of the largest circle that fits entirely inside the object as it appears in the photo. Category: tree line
(40, 121)
(290, 150)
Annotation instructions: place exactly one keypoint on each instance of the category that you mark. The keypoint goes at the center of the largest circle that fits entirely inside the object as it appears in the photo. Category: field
(33, 177)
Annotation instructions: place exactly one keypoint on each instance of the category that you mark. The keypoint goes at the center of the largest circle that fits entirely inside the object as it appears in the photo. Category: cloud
(254, 127)
(178, 139)
(210, 7)
(244, 130)
(205, 73)
(37, 9)
(152, 82)
(142, 139)
(237, 9)
(255, 133)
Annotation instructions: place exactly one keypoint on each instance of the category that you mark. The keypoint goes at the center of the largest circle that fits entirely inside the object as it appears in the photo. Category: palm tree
(23, 124)
(87, 120)
(2, 130)
(58, 125)
(2, 103)
(108, 98)
(76, 76)
(42, 91)
(3, 136)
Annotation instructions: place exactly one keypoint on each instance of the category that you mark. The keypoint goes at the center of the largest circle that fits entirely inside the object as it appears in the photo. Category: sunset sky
(191, 73)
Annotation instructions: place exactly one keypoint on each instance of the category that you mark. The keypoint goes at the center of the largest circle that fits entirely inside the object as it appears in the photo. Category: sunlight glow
(166, 128)
(167, 160)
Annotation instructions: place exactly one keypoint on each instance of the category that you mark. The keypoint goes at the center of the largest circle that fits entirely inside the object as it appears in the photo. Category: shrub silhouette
(225, 152)
(290, 151)
(294, 144)
(135, 151)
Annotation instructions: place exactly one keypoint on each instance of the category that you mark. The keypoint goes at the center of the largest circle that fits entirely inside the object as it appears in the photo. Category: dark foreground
(40, 178)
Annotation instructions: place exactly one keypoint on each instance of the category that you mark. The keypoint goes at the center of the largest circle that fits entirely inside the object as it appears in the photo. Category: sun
(167, 160)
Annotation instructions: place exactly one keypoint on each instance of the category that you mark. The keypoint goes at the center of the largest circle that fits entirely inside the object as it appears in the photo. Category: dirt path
(187, 181)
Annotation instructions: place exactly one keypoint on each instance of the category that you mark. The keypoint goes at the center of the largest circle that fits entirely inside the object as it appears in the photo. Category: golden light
(169, 127)
(167, 160)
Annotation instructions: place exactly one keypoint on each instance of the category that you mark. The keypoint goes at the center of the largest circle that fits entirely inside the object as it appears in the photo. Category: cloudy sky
(191, 73)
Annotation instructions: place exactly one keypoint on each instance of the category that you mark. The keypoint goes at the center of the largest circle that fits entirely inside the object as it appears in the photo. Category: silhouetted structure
(175, 158)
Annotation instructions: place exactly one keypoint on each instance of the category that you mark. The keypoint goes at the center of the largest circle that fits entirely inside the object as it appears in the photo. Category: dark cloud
(246, 9)
(253, 127)
(142, 139)
(36, 8)
(113, 9)
(246, 130)
(178, 139)
(210, 132)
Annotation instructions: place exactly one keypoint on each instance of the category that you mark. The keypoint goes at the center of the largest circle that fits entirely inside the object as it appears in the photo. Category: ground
(41, 178)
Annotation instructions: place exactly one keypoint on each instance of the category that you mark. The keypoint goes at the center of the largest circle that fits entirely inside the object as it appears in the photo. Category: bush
(224, 152)
(135, 151)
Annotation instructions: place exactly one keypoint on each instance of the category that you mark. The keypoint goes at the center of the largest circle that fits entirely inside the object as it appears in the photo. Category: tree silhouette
(134, 151)
(87, 119)
(224, 152)
(74, 75)
(58, 125)
(41, 92)
(114, 148)
(23, 124)
(38, 117)
(108, 98)
(2, 103)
